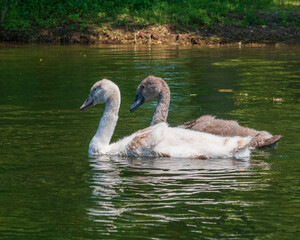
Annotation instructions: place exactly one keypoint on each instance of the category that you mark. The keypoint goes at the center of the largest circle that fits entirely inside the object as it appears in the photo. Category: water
(51, 189)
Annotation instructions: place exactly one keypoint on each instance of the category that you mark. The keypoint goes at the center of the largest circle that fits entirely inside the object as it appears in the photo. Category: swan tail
(260, 141)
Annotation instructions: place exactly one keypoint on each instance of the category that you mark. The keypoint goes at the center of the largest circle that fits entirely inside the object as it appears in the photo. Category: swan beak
(89, 102)
(138, 101)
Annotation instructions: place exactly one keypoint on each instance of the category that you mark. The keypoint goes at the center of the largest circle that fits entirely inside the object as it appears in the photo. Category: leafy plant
(20, 15)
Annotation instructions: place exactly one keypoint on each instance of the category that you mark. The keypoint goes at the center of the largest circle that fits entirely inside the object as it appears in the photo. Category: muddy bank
(158, 35)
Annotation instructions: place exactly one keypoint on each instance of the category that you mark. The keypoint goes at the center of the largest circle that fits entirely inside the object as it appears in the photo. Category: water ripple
(154, 191)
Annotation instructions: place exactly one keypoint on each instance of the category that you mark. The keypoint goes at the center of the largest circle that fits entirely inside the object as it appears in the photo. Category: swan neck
(163, 101)
(107, 123)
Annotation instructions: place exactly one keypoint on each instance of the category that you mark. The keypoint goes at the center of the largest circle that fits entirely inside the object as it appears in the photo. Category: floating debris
(277, 100)
(225, 90)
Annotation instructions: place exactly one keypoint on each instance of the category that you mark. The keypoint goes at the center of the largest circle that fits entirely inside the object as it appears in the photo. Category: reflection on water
(50, 189)
(149, 192)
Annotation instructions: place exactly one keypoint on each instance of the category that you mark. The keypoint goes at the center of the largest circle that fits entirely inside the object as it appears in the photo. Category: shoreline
(159, 35)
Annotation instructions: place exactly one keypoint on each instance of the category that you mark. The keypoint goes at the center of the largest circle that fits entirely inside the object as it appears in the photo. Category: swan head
(150, 87)
(101, 92)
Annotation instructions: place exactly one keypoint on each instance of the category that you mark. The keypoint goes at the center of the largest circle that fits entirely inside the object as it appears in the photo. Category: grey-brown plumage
(152, 87)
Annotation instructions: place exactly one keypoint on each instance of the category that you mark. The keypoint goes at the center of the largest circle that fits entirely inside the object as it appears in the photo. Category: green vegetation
(27, 14)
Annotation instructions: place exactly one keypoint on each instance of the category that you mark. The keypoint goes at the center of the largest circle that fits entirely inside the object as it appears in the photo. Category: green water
(51, 189)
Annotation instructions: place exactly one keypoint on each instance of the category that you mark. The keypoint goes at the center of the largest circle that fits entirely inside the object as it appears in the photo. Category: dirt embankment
(160, 35)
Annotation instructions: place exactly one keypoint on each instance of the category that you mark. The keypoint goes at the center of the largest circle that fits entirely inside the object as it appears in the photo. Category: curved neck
(107, 124)
(163, 101)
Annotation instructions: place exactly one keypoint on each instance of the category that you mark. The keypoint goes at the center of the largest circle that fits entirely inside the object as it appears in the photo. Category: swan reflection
(148, 187)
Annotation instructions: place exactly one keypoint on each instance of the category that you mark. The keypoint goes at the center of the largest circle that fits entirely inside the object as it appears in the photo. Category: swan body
(158, 140)
(152, 87)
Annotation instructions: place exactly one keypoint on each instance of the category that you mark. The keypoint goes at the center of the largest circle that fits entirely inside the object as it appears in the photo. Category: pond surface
(51, 189)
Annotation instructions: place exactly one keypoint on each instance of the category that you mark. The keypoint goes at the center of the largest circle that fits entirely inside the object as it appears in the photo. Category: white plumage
(159, 140)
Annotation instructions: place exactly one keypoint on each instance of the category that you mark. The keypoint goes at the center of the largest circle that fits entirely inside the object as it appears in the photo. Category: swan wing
(184, 143)
(140, 143)
(231, 128)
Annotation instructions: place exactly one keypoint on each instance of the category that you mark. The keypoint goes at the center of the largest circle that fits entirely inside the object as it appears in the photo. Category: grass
(25, 15)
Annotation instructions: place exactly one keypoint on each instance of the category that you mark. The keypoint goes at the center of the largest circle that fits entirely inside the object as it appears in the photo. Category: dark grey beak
(89, 102)
(138, 101)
